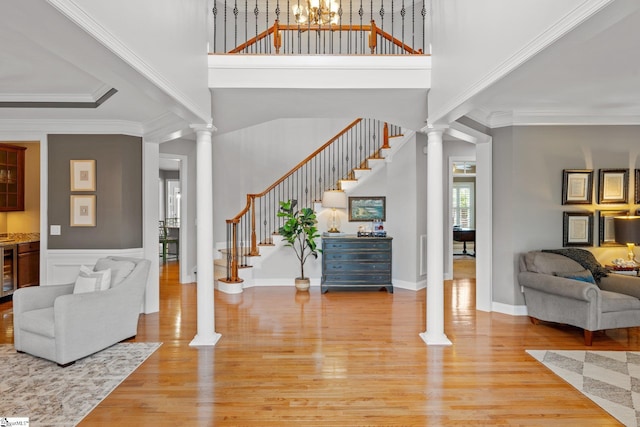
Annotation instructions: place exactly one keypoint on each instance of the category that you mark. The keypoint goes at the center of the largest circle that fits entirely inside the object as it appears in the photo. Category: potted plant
(299, 231)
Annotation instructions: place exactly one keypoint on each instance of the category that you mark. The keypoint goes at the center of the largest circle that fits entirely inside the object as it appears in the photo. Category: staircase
(345, 161)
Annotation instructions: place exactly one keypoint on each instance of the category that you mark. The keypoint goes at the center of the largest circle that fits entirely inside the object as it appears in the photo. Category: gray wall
(527, 190)
(118, 191)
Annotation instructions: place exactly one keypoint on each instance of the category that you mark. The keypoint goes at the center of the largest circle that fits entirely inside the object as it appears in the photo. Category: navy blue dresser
(356, 262)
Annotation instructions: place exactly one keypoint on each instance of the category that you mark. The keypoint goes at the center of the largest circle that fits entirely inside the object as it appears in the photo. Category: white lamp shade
(334, 199)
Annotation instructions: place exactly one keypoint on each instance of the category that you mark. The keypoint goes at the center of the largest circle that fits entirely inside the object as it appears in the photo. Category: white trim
(89, 97)
(582, 12)
(75, 13)
(63, 264)
(512, 310)
(72, 126)
(548, 118)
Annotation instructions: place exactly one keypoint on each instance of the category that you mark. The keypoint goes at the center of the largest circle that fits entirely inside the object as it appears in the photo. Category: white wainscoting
(63, 265)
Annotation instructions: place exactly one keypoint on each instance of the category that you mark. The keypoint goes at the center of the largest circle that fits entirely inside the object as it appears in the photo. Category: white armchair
(54, 323)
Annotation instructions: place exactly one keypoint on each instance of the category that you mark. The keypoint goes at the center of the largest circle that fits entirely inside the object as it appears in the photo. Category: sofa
(64, 323)
(576, 290)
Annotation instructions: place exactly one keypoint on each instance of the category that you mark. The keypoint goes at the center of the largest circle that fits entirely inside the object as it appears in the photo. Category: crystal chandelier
(316, 12)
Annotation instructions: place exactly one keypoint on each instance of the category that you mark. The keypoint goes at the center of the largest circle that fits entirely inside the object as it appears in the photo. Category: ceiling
(591, 74)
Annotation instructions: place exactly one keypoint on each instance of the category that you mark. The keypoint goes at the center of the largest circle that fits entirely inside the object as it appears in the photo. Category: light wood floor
(346, 359)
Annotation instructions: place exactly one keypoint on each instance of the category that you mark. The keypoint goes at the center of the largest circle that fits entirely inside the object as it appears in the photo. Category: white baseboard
(513, 310)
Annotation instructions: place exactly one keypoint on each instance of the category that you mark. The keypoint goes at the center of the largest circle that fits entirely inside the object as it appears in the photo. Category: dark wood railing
(322, 170)
(386, 27)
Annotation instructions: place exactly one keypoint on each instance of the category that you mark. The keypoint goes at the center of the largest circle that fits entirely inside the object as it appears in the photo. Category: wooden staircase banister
(247, 216)
(372, 28)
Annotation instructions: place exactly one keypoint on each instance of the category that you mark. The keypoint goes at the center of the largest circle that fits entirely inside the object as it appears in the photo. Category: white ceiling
(591, 74)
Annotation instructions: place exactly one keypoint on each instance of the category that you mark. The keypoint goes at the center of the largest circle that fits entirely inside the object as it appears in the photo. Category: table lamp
(627, 231)
(334, 199)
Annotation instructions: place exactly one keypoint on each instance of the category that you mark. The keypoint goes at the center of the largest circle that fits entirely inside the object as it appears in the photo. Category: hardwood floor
(345, 359)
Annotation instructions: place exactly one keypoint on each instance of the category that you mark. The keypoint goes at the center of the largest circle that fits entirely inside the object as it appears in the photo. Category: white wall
(527, 213)
(474, 43)
(168, 37)
(249, 160)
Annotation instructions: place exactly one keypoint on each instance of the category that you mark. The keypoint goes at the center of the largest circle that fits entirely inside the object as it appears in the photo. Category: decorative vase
(303, 283)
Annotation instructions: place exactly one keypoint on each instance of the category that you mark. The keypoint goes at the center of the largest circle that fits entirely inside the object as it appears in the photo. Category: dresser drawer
(360, 244)
(354, 279)
(357, 256)
(363, 267)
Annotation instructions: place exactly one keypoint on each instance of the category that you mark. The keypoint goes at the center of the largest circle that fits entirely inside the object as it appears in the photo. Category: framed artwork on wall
(577, 229)
(83, 175)
(606, 232)
(637, 187)
(613, 186)
(577, 186)
(367, 208)
(83, 211)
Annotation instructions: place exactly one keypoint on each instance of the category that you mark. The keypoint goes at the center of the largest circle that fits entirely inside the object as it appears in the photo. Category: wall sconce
(334, 199)
(627, 231)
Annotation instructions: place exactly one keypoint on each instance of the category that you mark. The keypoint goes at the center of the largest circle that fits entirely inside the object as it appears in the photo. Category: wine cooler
(9, 270)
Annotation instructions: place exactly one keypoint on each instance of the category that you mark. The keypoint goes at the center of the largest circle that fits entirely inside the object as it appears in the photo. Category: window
(173, 200)
(462, 204)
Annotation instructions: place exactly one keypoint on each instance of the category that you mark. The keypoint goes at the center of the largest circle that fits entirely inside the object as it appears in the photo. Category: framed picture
(606, 232)
(367, 208)
(637, 187)
(577, 186)
(83, 175)
(577, 229)
(83, 211)
(613, 186)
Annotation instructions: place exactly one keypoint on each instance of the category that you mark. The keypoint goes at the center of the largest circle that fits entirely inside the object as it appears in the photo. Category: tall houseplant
(299, 231)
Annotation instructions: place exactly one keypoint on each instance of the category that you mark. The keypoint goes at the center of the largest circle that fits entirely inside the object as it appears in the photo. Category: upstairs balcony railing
(322, 170)
(342, 27)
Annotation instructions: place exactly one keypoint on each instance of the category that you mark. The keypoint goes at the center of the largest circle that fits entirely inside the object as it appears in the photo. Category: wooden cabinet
(11, 178)
(356, 262)
(28, 264)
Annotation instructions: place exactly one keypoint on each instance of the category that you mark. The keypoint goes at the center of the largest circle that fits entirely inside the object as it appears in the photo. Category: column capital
(440, 128)
(207, 127)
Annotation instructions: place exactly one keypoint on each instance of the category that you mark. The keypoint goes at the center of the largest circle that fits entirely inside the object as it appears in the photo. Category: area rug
(53, 396)
(609, 378)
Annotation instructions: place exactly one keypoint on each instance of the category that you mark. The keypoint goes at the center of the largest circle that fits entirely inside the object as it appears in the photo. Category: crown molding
(500, 119)
(543, 40)
(71, 10)
(55, 100)
(72, 126)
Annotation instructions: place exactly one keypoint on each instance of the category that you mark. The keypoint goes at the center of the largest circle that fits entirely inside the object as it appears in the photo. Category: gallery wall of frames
(612, 189)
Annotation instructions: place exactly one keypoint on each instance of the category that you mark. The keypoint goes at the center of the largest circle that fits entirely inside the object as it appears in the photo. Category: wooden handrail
(277, 27)
(251, 197)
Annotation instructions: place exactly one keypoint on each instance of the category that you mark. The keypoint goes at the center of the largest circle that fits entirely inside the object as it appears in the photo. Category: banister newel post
(277, 37)
(385, 136)
(254, 241)
(373, 37)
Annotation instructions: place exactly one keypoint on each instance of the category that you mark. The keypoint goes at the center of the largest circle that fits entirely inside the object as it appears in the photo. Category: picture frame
(82, 210)
(577, 229)
(577, 186)
(83, 175)
(637, 187)
(606, 233)
(367, 209)
(613, 186)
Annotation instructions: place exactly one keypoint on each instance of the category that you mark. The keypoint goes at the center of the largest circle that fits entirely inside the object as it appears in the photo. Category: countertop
(7, 239)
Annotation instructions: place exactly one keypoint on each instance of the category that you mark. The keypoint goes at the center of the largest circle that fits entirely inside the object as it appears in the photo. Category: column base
(435, 339)
(209, 341)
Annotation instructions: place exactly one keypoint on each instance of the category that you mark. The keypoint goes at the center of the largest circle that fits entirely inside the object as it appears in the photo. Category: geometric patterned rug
(609, 378)
(49, 395)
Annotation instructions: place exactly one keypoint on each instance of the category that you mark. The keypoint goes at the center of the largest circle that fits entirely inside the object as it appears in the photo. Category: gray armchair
(611, 303)
(54, 323)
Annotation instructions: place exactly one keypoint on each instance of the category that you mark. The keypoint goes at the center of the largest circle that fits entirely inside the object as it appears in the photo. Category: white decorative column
(205, 335)
(434, 334)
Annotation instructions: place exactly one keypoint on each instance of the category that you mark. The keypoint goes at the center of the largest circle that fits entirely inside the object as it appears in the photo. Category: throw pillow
(120, 269)
(583, 276)
(91, 281)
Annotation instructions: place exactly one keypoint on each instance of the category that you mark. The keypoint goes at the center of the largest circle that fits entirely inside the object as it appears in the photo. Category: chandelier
(316, 12)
